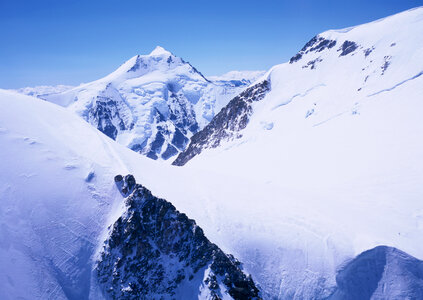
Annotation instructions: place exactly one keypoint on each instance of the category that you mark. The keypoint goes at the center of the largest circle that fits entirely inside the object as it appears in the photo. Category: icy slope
(152, 103)
(329, 164)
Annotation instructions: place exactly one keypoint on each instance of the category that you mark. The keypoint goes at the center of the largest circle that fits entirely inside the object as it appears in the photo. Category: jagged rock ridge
(227, 124)
(316, 44)
(156, 252)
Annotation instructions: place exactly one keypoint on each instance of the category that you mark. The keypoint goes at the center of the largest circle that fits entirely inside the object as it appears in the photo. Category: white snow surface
(144, 85)
(293, 199)
(330, 164)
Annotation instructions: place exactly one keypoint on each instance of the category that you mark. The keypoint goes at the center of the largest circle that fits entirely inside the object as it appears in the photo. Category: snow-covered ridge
(328, 166)
(330, 156)
(227, 124)
(364, 60)
(152, 103)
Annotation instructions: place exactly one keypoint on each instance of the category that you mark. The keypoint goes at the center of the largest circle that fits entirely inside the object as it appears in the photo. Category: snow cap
(160, 51)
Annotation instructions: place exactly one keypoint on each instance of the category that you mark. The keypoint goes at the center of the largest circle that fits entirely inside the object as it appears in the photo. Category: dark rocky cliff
(156, 252)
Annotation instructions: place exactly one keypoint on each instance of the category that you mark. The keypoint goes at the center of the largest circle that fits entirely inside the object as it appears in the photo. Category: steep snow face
(329, 164)
(152, 103)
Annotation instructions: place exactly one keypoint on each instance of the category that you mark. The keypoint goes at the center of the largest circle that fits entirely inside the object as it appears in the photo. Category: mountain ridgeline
(156, 252)
(227, 124)
(152, 103)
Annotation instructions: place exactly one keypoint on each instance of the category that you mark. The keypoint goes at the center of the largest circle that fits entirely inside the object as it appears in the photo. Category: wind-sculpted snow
(156, 252)
(380, 273)
(227, 124)
(153, 103)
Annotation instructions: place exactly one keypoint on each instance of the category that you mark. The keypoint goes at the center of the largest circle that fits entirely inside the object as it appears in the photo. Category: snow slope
(55, 198)
(59, 197)
(329, 164)
(323, 171)
(152, 103)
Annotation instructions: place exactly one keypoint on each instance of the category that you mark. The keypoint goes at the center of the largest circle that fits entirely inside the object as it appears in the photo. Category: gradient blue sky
(48, 42)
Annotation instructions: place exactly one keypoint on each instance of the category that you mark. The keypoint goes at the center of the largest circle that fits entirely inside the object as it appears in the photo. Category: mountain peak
(160, 51)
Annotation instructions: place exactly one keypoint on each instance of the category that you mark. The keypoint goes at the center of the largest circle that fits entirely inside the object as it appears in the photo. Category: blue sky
(48, 42)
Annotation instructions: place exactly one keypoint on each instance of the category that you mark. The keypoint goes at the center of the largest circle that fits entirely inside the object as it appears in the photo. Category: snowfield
(329, 166)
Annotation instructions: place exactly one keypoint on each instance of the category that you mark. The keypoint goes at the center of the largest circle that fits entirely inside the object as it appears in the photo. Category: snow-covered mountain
(328, 161)
(153, 103)
(333, 75)
(303, 177)
(58, 200)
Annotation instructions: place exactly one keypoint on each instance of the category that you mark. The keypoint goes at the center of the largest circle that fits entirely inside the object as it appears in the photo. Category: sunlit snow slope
(328, 166)
(330, 163)
(59, 197)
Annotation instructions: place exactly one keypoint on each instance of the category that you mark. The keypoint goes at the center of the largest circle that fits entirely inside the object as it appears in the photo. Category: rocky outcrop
(347, 47)
(155, 252)
(227, 124)
(316, 44)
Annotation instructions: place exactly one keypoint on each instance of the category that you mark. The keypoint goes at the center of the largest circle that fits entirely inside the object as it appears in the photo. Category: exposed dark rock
(347, 47)
(179, 140)
(156, 145)
(316, 44)
(227, 124)
(118, 178)
(169, 152)
(386, 63)
(296, 58)
(368, 51)
(312, 64)
(125, 184)
(153, 249)
(105, 113)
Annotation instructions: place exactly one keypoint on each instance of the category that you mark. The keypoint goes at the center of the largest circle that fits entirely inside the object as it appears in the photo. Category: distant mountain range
(152, 103)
